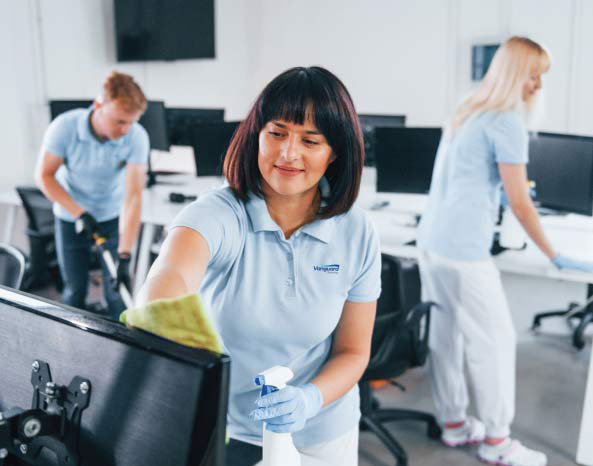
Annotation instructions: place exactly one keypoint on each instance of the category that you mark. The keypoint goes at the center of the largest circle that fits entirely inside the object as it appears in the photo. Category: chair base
(374, 422)
(584, 318)
(373, 418)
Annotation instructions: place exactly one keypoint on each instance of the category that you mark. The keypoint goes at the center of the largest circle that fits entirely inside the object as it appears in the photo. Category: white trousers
(342, 451)
(470, 325)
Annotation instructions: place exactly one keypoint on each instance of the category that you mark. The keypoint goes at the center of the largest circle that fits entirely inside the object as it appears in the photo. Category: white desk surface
(10, 197)
(156, 207)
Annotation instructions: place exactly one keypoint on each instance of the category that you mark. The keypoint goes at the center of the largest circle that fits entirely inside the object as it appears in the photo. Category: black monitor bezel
(76, 103)
(206, 125)
(162, 143)
(189, 116)
(398, 119)
(379, 186)
(85, 321)
(559, 206)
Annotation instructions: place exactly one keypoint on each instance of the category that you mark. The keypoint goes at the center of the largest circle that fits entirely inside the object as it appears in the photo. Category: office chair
(12, 266)
(583, 314)
(399, 342)
(43, 262)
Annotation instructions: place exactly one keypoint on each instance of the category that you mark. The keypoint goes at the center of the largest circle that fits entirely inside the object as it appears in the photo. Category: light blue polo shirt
(277, 302)
(464, 193)
(93, 173)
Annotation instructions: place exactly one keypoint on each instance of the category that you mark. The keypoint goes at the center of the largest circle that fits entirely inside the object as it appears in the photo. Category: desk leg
(148, 230)
(585, 446)
(9, 226)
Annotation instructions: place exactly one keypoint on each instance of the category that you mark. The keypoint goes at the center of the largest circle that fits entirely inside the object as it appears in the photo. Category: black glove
(123, 271)
(87, 224)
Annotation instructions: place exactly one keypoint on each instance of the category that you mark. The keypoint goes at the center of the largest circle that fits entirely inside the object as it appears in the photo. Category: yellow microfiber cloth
(182, 320)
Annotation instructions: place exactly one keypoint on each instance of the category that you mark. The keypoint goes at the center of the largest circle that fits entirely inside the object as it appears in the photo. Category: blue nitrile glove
(563, 262)
(288, 409)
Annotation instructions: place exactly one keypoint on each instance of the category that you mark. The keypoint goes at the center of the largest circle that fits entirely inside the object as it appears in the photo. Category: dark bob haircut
(288, 97)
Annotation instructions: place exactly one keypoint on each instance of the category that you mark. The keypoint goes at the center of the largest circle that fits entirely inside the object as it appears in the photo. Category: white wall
(395, 56)
(21, 94)
(79, 56)
(392, 55)
(413, 57)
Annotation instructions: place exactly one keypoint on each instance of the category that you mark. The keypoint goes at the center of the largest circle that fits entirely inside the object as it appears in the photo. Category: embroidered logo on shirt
(329, 268)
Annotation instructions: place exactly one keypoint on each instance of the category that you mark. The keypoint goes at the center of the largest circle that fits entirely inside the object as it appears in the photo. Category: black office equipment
(373, 120)
(369, 122)
(399, 342)
(164, 29)
(562, 167)
(152, 402)
(56, 107)
(482, 56)
(180, 120)
(405, 158)
(210, 142)
(154, 121)
(577, 315)
(42, 267)
(180, 198)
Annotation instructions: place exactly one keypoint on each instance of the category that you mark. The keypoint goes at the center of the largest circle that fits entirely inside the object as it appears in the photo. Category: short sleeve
(140, 146)
(218, 217)
(57, 136)
(508, 136)
(367, 284)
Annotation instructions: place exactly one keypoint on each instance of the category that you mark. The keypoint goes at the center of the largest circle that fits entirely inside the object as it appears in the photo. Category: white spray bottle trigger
(278, 449)
(273, 379)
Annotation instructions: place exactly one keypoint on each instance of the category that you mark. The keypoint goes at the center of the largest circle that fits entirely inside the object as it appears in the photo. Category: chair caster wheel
(578, 342)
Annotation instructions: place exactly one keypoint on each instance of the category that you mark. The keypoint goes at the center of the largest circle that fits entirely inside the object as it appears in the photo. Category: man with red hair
(92, 166)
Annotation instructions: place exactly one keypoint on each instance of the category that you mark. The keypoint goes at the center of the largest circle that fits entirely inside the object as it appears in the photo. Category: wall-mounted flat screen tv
(164, 29)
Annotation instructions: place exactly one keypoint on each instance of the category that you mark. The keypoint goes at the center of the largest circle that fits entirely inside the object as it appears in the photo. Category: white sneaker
(511, 453)
(473, 431)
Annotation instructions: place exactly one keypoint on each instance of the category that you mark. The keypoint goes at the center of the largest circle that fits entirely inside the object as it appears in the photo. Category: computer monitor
(180, 120)
(210, 142)
(151, 401)
(154, 121)
(405, 157)
(562, 167)
(374, 120)
(369, 122)
(56, 107)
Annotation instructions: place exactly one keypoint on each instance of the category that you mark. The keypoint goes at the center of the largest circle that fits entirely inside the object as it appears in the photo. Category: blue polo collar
(83, 129)
(321, 229)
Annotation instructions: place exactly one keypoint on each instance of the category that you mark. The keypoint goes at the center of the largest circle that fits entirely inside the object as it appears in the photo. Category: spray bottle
(278, 449)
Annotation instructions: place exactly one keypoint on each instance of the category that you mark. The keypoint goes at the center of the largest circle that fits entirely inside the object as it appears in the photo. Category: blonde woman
(484, 145)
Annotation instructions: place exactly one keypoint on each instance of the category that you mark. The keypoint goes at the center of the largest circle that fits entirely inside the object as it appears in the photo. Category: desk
(158, 211)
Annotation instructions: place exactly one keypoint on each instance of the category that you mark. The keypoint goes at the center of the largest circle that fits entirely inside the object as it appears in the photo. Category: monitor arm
(53, 422)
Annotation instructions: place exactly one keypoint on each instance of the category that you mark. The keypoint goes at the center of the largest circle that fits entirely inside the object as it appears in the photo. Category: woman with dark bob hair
(288, 269)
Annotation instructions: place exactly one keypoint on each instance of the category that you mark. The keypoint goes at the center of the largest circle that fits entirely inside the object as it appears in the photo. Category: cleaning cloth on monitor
(182, 320)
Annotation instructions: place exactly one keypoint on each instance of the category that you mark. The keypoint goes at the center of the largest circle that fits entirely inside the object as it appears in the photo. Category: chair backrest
(12, 266)
(400, 284)
(38, 208)
(400, 334)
